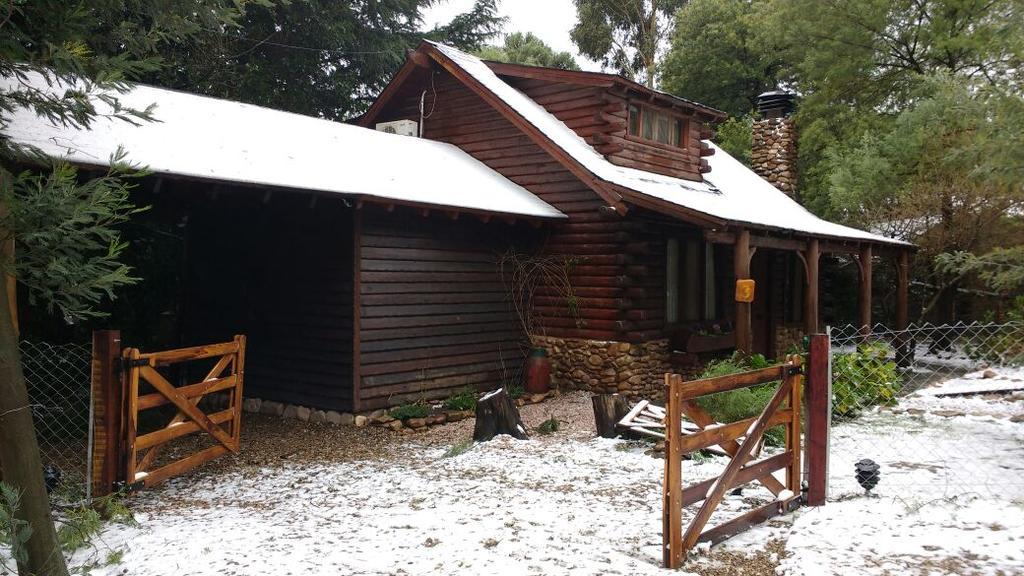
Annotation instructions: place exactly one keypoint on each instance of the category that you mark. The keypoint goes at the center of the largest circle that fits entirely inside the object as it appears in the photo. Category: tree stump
(496, 413)
(608, 410)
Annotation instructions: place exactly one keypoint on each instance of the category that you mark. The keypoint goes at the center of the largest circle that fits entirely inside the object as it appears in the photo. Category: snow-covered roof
(730, 192)
(202, 137)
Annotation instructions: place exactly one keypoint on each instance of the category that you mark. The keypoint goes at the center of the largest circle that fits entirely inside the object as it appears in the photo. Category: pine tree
(58, 229)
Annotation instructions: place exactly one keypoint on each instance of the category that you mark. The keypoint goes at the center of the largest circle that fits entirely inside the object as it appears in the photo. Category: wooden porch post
(864, 302)
(741, 268)
(811, 259)
(904, 344)
(902, 287)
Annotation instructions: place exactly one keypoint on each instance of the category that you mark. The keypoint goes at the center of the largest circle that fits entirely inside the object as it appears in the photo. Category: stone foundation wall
(608, 367)
(786, 337)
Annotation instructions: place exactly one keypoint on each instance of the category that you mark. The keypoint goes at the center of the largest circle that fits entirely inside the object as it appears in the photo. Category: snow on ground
(505, 507)
(950, 502)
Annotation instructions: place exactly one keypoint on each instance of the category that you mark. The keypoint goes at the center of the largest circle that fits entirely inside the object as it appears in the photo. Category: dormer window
(650, 124)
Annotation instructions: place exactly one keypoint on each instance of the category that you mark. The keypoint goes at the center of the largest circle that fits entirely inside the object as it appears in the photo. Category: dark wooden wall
(600, 115)
(281, 273)
(459, 116)
(433, 313)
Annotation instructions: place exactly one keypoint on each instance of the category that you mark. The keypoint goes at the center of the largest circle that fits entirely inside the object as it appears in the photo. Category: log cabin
(664, 223)
(363, 265)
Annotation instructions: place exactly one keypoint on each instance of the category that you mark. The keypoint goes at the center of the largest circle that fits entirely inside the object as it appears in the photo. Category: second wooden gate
(224, 425)
(782, 409)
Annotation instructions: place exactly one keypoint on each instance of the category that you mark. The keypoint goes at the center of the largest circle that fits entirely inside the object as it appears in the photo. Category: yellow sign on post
(745, 290)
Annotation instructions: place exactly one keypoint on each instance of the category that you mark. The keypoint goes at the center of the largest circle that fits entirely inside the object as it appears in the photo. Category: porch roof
(226, 141)
(730, 194)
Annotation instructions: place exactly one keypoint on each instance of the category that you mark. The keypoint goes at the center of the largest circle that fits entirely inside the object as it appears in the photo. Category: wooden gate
(782, 409)
(224, 426)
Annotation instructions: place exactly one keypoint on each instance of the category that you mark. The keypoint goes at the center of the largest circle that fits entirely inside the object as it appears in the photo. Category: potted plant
(522, 275)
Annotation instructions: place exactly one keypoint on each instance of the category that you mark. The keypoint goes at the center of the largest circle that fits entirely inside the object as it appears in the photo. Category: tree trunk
(496, 413)
(19, 456)
(608, 410)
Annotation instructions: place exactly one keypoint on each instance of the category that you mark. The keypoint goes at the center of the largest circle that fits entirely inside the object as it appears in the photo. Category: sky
(550, 20)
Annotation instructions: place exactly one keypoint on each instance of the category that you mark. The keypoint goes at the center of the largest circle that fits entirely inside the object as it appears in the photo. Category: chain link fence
(58, 378)
(940, 409)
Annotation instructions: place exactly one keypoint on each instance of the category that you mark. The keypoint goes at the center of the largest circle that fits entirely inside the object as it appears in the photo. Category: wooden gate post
(107, 411)
(819, 419)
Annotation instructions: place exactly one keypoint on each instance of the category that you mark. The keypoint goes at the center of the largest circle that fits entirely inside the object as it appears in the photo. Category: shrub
(516, 391)
(457, 449)
(14, 532)
(863, 378)
(406, 411)
(743, 403)
(549, 426)
(464, 400)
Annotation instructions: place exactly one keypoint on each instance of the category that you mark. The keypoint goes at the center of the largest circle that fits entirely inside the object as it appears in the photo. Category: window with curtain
(691, 289)
(657, 126)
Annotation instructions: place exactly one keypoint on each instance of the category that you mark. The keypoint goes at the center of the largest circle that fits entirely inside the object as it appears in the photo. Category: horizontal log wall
(433, 313)
(458, 116)
(600, 116)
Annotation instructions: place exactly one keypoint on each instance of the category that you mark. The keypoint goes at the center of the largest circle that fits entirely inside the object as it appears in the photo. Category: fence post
(107, 421)
(819, 419)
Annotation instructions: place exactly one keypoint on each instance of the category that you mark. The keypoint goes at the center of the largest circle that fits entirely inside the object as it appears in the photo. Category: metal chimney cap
(776, 103)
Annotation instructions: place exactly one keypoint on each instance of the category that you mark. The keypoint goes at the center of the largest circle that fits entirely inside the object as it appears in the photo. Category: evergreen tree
(316, 57)
(57, 228)
(718, 57)
(528, 49)
(626, 35)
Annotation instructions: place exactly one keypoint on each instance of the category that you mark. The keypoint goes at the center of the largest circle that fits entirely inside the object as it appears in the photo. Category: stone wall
(603, 367)
(787, 336)
(773, 154)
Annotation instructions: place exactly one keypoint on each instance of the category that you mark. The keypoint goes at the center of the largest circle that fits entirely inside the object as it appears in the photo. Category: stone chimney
(773, 154)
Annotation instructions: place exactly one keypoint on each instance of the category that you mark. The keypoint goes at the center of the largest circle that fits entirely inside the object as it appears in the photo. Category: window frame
(682, 123)
(707, 300)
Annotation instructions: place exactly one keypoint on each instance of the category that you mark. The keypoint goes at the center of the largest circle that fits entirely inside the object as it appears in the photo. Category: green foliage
(459, 449)
(744, 403)
(528, 49)
(406, 411)
(14, 532)
(718, 57)
(1000, 270)
(549, 426)
(864, 378)
(79, 527)
(66, 232)
(736, 136)
(516, 391)
(624, 34)
(946, 176)
(463, 400)
(317, 57)
(734, 364)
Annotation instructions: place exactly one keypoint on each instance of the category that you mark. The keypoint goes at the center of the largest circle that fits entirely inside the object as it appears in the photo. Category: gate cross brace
(185, 406)
(714, 497)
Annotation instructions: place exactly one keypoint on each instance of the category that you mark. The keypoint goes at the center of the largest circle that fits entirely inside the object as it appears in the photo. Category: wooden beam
(357, 309)
(819, 415)
(902, 288)
(108, 416)
(811, 260)
(672, 507)
(864, 294)
(741, 269)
